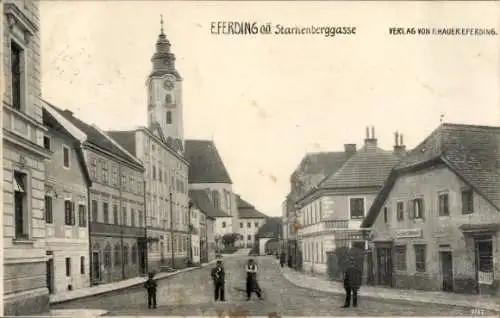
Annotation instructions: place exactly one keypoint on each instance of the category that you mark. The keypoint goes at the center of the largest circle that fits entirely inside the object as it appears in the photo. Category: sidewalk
(463, 300)
(106, 288)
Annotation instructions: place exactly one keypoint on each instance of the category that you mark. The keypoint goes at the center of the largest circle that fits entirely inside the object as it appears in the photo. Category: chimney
(399, 147)
(68, 112)
(370, 140)
(350, 149)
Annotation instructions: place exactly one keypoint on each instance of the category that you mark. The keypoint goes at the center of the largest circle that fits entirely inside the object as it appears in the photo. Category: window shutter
(72, 213)
(411, 210)
(422, 209)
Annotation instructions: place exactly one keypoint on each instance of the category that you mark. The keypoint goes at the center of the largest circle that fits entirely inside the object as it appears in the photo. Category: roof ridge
(114, 142)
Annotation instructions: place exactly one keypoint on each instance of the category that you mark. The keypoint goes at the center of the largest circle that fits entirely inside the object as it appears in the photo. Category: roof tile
(205, 163)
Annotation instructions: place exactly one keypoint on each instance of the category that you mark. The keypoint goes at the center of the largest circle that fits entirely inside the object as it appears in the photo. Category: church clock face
(168, 84)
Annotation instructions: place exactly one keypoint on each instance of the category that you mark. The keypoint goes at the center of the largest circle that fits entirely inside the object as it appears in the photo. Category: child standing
(150, 286)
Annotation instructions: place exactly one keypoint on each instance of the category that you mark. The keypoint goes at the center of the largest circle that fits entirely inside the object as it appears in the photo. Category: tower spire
(161, 23)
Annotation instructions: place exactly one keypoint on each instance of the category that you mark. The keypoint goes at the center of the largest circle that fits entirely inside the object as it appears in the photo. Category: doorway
(384, 266)
(447, 270)
(96, 266)
(50, 275)
(142, 257)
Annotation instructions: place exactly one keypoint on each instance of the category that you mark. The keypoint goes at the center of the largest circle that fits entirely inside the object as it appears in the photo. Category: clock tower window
(168, 99)
(169, 117)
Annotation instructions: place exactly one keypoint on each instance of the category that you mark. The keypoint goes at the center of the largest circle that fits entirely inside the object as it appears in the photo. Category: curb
(167, 275)
(494, 308)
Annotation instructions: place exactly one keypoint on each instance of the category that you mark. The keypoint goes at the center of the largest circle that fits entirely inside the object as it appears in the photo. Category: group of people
(252, 286)
(352, 283)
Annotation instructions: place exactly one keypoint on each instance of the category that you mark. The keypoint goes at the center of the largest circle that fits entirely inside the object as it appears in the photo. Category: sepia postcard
(250, 158)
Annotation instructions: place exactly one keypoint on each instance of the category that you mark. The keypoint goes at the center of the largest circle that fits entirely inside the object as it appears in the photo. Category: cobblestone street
(191, 294)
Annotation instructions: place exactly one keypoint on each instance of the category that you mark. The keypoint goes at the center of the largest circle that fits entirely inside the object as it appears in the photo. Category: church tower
(165, 94)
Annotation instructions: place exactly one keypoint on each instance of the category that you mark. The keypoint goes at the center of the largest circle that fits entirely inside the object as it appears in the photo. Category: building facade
(435, 223)
(332, 212)
(118, 247)
(25, 290)
(250, 220)
(202, 201)
(67, 184)
(207, 172)
(160, 147)
(195, 234)
(313, 168)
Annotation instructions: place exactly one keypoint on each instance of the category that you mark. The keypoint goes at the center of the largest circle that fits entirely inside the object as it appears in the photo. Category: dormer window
(168, 99)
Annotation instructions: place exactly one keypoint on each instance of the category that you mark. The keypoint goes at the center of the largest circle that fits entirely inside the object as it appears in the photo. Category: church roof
(205, 163)
(202, 200)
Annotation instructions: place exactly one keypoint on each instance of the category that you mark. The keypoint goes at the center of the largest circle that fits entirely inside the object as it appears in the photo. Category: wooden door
(370, 280)
(50, 275)
(96, 266)
(447, 271)
(384, 266)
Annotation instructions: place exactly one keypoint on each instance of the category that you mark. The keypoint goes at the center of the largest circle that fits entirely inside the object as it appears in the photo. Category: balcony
(323, 227)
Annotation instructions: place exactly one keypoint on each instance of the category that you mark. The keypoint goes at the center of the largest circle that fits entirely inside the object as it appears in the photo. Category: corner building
(25, 288)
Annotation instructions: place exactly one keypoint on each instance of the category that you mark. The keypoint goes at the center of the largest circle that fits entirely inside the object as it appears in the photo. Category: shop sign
(409, 233)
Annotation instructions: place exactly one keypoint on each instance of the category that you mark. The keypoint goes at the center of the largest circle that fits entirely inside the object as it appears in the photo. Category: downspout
(172, 228)
(145, 231)
(122, 218)
(89, 222)
(190, 257)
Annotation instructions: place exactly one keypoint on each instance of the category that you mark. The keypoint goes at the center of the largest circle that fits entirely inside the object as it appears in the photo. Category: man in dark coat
(151, 286)
(218, 277)
(352, 283)
(282, 259)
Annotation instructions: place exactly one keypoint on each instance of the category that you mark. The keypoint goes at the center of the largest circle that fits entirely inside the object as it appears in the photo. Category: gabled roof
(322, 162)
(472, 152)
(201, 199)
(273, 228)
(51, 120)
(126, 138)
(247, 210)
(205, 163)
(369, 167)
(97, 137)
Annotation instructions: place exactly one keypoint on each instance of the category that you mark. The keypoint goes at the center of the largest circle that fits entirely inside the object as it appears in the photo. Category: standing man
(218, 277)
(252, 284)
(151, 286)
(352, 283)
(282, 259)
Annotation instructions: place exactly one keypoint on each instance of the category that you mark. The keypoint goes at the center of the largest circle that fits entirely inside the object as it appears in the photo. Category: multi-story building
(160, 147)
(195, 233)
(331, 213)
(67, 183)
(24, 259)
(250, 220)
(435, 223)
(207, 172)
(117, 230)
(209, 214)
(313, 168)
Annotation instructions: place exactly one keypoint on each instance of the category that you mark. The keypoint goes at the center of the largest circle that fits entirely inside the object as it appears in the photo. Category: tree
(230, 238)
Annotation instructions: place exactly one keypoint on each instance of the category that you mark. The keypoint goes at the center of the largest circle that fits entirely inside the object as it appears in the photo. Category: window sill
(25, 241)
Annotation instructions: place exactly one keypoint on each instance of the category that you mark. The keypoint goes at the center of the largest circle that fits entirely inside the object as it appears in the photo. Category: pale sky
(267, 99)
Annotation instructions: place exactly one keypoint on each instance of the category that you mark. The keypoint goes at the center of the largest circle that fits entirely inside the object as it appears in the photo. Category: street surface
(191, 294)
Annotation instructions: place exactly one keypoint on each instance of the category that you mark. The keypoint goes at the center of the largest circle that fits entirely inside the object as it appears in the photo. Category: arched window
(216, 198)
(118, 255)
(169, 117)
(125, 254)
(168, 99)
(134, 254)
(107, 256)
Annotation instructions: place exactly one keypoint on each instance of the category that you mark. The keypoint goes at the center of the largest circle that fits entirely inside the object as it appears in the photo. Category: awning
(18, 184)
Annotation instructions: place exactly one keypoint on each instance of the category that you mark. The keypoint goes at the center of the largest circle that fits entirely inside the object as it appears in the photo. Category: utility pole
(172, 227)
(190, 229)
